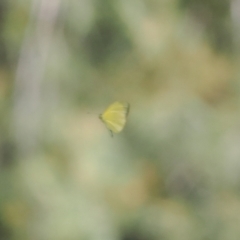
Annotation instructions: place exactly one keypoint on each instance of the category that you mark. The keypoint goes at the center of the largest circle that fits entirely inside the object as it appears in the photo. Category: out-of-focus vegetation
(173, 173)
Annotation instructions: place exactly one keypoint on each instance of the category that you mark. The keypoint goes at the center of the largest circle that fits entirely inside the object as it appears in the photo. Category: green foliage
(173, 173)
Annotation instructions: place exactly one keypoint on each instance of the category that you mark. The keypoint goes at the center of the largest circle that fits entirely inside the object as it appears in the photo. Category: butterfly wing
(115, 116)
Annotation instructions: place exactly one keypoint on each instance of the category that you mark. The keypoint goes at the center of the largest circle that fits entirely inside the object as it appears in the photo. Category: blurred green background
(173, 173)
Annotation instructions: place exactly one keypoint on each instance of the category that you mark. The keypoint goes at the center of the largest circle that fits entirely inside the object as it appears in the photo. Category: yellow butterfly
(115, 116)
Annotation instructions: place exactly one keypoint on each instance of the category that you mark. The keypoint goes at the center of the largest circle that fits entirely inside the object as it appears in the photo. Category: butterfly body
(115, 116)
